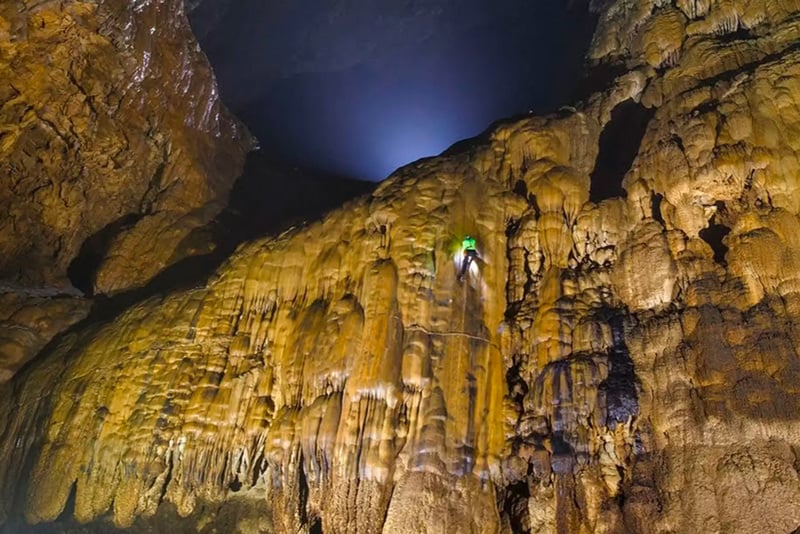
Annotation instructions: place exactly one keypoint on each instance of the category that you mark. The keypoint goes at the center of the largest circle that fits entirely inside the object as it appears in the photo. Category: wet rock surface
(110, 120)
(603, 367)
(114, 148)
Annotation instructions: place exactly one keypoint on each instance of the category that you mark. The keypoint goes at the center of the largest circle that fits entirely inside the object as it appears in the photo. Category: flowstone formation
(620, 364)
(114, 146)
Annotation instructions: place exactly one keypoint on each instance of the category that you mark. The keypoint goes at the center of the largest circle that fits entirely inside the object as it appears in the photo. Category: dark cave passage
(514, 505)
(655, 206)
(83, 267)
(718, 228)
(619, 144)
(714, 236)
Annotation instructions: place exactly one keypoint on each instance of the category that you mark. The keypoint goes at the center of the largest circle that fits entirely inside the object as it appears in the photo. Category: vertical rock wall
(114, 146)
(625, 365)
(108, 113)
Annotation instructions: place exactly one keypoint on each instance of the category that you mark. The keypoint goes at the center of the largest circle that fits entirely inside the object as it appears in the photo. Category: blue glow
(365, 87)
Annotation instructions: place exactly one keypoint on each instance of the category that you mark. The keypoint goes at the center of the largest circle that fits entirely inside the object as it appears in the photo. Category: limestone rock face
(109, 123)
(28, 321)
(114, 146)
(628, 364)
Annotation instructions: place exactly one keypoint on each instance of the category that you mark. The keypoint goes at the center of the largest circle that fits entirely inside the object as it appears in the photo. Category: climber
(470, 255)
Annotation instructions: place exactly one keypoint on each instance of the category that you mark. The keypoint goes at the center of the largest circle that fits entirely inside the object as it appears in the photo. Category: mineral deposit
(619, 364)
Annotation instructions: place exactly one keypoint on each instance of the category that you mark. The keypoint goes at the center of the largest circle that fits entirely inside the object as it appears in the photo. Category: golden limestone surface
(114, 146)
(622, 364)
(108, 113)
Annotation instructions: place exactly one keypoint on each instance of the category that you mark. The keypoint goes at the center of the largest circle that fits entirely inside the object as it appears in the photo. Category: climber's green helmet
(468, 243)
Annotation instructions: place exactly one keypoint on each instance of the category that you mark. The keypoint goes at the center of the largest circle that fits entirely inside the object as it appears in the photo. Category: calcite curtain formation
(626, 365)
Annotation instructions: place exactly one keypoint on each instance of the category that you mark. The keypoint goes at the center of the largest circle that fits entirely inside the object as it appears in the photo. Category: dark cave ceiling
(361, 87)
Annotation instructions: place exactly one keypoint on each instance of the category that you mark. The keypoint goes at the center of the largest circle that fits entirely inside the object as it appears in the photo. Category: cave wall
(108, 111)
(605, 367)
(114, 146)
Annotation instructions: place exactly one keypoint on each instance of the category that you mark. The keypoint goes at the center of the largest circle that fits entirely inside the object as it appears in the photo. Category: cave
(619, 143)
(82, 268)
(229, 267)
(515, 506)
(655, 208)
(713, 235)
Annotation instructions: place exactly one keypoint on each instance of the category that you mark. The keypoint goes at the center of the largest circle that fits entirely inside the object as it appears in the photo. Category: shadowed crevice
(619, 144)
(82, 269)
(599, 77)
(714, 236)
(655, 205)
(306, 518)
(69, 507)
(514, 505)
(619, 388)
(740, 34)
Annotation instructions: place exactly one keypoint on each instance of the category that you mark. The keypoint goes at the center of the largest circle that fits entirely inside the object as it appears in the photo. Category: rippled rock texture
(114, 146)
(620, 364)
(110, 123)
